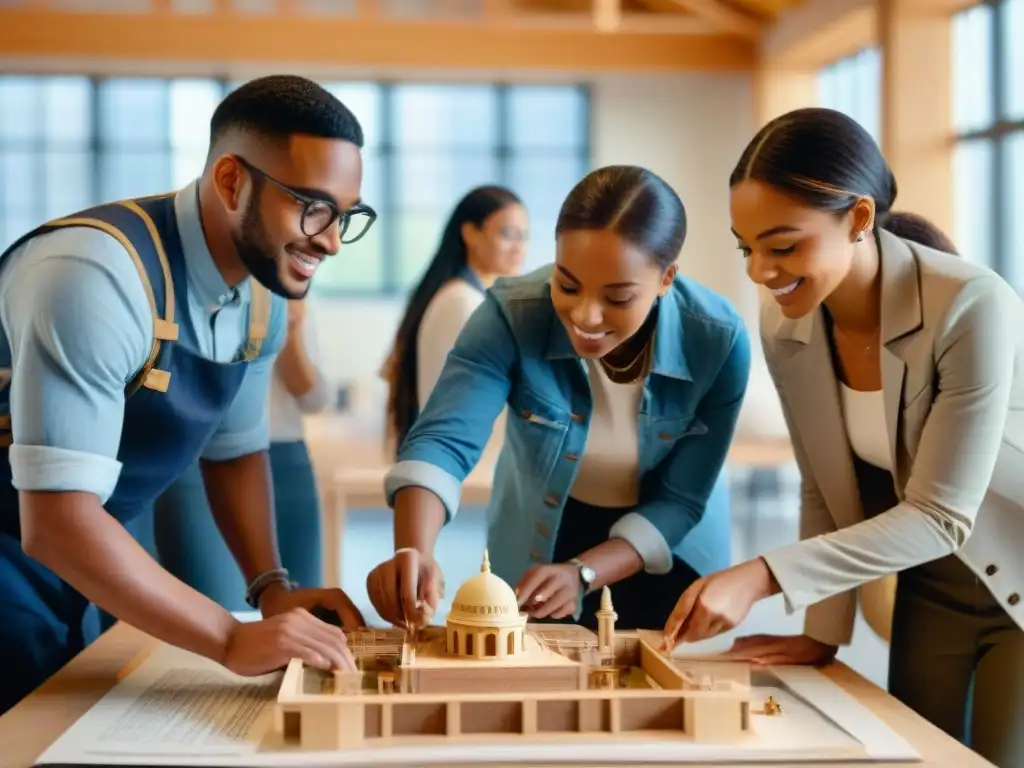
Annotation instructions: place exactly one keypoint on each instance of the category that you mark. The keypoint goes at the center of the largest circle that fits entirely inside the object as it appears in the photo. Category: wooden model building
(488, 673)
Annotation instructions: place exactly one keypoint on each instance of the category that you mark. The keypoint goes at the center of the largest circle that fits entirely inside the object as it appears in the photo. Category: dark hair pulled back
(449, 260)
(635, 203)
(828, 160)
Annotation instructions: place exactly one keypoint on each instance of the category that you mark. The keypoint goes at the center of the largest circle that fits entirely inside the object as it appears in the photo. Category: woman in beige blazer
(898, 366)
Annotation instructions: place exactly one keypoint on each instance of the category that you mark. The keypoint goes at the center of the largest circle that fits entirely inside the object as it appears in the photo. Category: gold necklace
(645, 356)
(643, 351)
(868, 347)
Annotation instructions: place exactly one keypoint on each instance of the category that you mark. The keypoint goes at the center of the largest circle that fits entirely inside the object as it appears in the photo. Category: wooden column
(915, 38)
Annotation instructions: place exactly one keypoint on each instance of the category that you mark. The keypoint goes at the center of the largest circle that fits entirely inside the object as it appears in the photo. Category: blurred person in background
(185, 533)
(484, 238)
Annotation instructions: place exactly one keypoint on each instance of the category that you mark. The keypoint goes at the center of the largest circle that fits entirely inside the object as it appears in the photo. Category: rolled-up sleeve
(245, 427)
(674, 498)
(80, 327)
(450, 433)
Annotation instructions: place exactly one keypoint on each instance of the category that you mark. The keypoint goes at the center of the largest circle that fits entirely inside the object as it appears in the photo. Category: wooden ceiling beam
(230, 39)
(725, 17)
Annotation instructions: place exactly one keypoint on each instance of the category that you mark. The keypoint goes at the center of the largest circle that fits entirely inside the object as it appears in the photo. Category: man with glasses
(138, 337)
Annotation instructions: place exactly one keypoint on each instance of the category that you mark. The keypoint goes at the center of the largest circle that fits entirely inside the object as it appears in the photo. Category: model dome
(485, 621)
(485, 600)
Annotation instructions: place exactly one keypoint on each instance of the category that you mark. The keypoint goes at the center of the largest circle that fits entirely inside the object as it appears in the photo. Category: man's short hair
(279, 106)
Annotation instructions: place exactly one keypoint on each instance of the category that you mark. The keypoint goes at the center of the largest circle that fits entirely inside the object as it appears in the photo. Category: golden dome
(485, 600)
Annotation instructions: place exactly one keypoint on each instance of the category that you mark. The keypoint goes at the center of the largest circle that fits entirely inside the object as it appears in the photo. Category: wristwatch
(587, 574)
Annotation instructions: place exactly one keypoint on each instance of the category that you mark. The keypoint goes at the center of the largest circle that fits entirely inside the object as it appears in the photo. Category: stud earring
(860, 237)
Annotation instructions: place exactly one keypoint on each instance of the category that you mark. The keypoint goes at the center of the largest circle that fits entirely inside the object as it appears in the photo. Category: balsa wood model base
(636, 690)
(488, 679)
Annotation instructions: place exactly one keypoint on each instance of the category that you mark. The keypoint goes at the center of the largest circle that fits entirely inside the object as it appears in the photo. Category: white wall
(690, 129)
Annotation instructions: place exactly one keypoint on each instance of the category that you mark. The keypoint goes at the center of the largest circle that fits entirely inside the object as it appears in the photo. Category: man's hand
(406, 589)
(260, 647)
(550, 591)
(779, 650)
(276, 600)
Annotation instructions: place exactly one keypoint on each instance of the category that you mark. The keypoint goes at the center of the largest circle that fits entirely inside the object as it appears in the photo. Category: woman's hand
(550, 591)
(780, 650)
(405, 590)
(719, 602)
(296, 313)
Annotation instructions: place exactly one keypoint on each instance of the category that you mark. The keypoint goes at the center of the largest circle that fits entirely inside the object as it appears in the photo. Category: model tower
(606, 617)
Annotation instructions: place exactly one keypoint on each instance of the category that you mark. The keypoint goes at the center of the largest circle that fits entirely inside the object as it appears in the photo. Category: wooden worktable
(28, 729)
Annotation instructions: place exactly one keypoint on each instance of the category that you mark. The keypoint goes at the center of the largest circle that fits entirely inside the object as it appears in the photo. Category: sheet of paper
(178, 709)
(175, 703)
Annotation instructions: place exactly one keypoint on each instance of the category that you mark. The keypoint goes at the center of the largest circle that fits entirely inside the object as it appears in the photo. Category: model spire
(606, 599)
(485, 567)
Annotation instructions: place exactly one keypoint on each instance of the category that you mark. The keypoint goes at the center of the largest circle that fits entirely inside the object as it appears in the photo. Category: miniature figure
(772, 707)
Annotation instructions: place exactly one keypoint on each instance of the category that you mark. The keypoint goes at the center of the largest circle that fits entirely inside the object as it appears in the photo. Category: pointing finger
(530, 586)
(684, 607)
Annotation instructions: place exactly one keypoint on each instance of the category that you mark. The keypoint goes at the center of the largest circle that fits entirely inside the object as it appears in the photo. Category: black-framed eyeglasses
(318, 215)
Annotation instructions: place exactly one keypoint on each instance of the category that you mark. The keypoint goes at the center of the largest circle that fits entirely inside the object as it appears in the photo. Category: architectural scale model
(488, 673)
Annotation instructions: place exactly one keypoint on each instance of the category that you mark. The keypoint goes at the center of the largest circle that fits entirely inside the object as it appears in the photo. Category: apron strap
(164, 328)
(259, 320)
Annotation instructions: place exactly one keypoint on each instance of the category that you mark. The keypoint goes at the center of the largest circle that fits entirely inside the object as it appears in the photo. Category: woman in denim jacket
(623, 380)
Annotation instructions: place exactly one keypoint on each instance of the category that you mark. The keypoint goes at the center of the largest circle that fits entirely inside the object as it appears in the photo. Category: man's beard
(251, 244)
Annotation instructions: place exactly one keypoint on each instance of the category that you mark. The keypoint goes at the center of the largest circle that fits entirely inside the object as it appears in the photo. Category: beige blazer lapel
(809, 382)
(901, 317)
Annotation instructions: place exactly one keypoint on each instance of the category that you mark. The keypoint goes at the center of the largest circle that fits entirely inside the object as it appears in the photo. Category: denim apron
(172, 408)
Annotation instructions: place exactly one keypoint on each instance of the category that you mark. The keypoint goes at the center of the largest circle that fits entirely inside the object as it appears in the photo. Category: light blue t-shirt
(77, 327)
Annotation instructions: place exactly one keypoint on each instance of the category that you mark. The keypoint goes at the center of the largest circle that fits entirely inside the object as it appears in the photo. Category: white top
(608, 472)
(864, 414)
(286, 411)
(446, 314)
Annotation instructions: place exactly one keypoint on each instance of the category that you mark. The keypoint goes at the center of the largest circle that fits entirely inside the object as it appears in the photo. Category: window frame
(997, 133)
(501, 147)
(862, 62)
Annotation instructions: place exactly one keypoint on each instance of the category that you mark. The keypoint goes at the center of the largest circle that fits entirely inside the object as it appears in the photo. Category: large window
(68, 142)
(988, 114)
(853, 85)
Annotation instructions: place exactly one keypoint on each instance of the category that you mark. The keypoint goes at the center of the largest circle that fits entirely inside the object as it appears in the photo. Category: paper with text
(175, 703)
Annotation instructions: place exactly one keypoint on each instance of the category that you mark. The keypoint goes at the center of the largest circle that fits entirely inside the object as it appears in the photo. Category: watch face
(587, 574)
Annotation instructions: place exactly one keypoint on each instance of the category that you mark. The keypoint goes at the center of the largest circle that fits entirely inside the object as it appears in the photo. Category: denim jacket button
(551, 500)
(665, 436)
(543, 530)
(577, 418)
(1013, 599)
(535, 556)
(571, 457)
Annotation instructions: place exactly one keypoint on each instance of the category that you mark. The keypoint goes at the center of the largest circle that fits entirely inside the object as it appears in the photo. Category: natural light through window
(72, 142)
